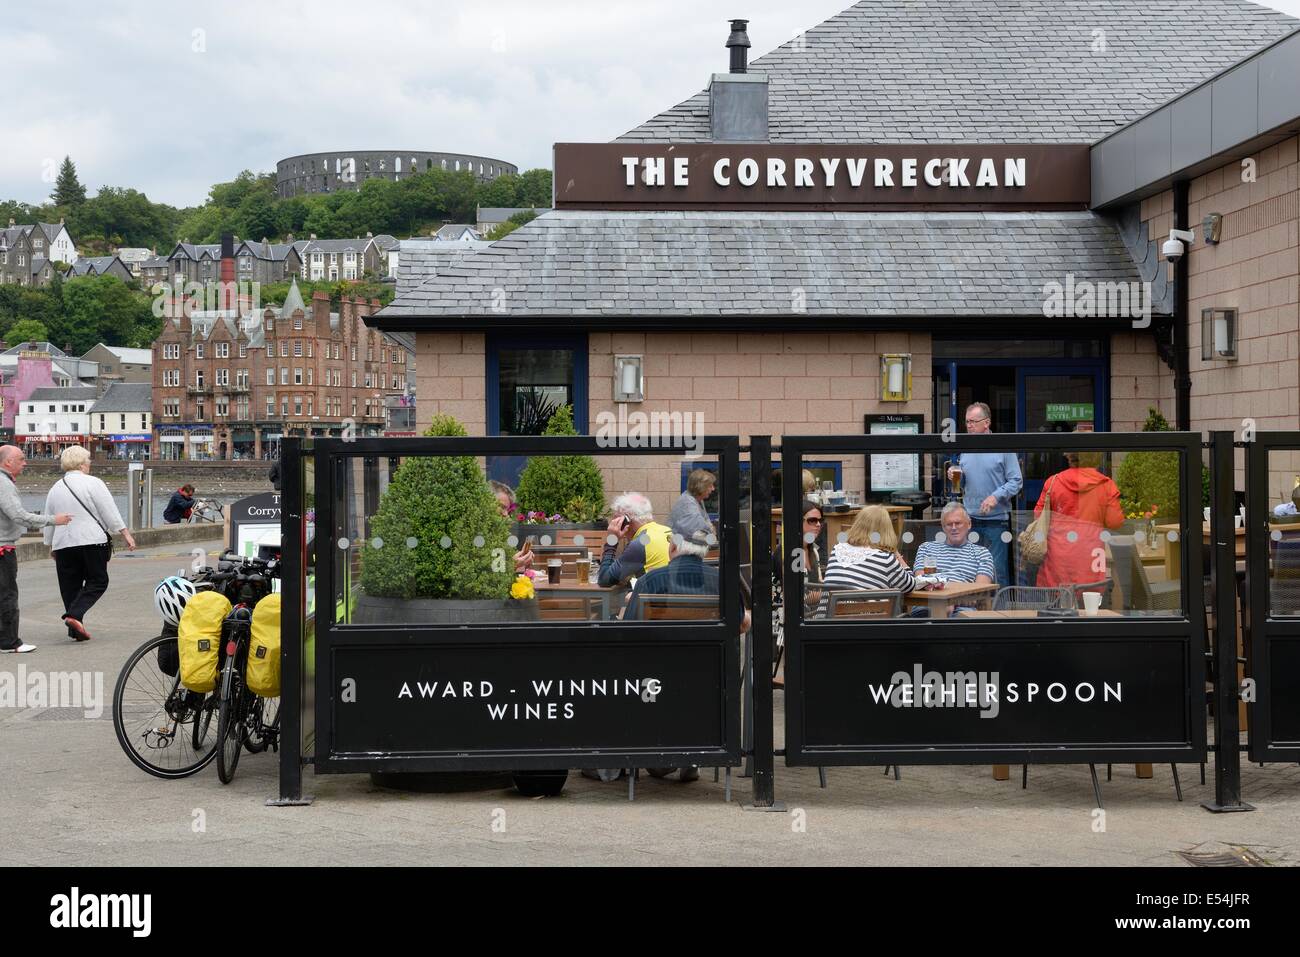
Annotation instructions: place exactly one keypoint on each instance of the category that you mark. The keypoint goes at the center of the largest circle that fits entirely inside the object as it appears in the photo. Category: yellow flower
(522, 588)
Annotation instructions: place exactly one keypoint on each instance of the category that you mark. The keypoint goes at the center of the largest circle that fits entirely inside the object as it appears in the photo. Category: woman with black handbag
(83, 547)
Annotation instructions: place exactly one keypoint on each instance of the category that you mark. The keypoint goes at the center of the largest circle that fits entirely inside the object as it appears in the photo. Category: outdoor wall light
(629, 381)
(1218, 334)
(1212, 228)
(895, 377)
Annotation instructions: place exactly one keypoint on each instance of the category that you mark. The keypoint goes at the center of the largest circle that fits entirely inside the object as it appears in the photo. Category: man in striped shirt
(956, 558)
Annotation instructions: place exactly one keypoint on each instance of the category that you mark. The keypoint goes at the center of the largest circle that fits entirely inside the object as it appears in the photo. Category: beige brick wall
(752, 384)
(1139, 380)
(451, 379)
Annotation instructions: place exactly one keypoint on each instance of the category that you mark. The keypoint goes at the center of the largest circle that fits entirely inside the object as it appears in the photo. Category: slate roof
(419, 260)
(274, 252)
(454, 231)
(973, 71)
(127, 354)
(91, 265)
(126, 397)
(72, 393)
(674, 264)
(499, 214)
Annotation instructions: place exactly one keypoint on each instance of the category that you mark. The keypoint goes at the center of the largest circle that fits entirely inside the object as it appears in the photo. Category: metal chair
(1141, 594)
(1034, 598)
(863, 603)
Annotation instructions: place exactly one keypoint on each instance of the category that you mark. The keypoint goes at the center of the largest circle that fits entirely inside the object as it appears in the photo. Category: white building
(51, 419)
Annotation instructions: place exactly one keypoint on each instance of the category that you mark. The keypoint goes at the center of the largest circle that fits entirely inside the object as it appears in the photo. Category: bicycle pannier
(199, 639)
(263, 672)
(169, 656)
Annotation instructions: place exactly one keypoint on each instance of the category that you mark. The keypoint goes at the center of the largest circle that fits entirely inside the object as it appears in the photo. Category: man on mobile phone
(645, 541)
(991, 480)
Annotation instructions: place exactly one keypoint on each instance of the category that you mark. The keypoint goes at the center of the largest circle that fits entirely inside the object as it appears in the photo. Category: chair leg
(897, 775)
(715, 775)
(631, 783)
(1108, 772)
(1178, 785)
(1202, 774)
(887, 767)
(726, 795)
(821, 776)
(1024, 777)
(1096, 785)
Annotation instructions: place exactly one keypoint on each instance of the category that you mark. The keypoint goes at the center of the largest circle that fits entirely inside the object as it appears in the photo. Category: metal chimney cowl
(738, 100)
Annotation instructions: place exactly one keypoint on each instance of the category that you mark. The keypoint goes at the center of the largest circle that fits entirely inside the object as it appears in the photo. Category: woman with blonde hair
(869, 558)
(83, 547)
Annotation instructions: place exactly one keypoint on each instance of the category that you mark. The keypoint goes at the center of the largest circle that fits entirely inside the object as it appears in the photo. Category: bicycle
(207, 510)
(164, 706)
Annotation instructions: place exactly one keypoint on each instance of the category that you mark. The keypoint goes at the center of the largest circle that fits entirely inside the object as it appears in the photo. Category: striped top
(961, 563)
(858, 566)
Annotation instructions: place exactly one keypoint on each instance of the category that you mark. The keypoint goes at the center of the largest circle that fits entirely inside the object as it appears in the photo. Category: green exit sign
(1069, 412)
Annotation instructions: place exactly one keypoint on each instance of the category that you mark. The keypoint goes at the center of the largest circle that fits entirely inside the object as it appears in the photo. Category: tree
(26, 330)
(68, 191)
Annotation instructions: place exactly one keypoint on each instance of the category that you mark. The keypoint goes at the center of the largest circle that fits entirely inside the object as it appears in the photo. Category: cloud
(170, 98)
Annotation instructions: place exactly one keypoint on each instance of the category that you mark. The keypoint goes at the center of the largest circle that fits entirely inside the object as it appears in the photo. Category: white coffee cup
(1091, 603)
(1207, 515)
(1237, 521)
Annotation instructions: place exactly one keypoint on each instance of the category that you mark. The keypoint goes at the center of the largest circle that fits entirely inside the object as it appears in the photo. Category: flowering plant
(536, 518)
(522, 588)
(1145, 515)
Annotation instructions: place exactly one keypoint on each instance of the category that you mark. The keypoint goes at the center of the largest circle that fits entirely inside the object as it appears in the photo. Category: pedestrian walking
(14, 520)
(82, 549)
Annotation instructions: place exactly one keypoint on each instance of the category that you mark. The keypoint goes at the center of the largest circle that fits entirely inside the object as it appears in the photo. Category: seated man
(646, 541)
(956, 558)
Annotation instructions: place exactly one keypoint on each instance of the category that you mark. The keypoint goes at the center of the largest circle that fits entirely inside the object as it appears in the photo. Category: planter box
(594, 532)
(370, 610)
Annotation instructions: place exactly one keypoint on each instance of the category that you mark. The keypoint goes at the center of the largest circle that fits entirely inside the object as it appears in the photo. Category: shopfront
(133, 447)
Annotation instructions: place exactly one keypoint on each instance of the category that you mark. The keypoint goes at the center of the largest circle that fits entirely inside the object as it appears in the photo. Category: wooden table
(1029, 613)
(1173, 553)
(571, 588)
(940, 601)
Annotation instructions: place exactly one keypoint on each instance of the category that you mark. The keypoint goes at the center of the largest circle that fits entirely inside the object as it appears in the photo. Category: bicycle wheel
(203, 720)
(231, 729)
(263, 725)
(150, 709)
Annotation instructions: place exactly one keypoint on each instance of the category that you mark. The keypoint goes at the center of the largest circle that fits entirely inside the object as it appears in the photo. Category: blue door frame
(507, 468)
(1099, 368)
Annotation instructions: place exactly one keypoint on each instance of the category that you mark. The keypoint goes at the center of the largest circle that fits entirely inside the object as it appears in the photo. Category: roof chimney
(738, 100)
(227, 297)
(738, 44)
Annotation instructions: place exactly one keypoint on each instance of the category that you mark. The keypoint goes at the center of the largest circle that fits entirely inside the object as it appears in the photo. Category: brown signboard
(847, 177)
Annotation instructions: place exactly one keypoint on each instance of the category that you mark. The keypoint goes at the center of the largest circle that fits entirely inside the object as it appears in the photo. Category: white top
(83, 529)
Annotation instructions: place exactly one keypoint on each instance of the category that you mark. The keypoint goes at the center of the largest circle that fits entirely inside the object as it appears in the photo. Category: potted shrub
(1148, 482)
(560, 491)
(438, 549)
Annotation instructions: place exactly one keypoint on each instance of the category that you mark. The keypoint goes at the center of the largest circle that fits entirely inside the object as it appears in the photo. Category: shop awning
(663, 268)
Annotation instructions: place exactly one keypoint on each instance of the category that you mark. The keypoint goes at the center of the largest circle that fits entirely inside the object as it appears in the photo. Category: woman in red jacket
(1084, 501)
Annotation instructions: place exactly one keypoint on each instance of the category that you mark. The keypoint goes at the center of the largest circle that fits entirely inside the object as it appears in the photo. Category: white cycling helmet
(170, 597)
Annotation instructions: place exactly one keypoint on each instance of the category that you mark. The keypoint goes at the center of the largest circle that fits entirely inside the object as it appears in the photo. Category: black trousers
(9, 599)
(83, 577)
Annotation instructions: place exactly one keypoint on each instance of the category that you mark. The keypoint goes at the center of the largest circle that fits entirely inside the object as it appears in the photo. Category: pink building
(33, 371)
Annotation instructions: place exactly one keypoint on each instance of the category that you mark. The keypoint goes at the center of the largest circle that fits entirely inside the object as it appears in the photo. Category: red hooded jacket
(1084, 501)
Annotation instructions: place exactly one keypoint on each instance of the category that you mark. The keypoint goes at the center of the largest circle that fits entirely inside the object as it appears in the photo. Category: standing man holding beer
(987, 483)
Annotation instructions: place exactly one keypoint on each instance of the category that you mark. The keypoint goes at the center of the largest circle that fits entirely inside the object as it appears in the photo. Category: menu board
(893, 472)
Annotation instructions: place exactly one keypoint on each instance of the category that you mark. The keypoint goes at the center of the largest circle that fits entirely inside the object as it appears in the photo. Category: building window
(223, 408)
(309, 405)
(270, 377)
(223, 377)
(270, 350)
(309, 375)
(284, 375)
(198, 350)
(297, 405)
(297, 347)
(198, 378)
(354, 408)
(309, 349)
(297, 320)
(284, 348)
(243, 350)
(241, 378)
(270, 324)
(354, 356)
(297, 376)
(223, 350)
(284, 406)
(354, 378)
(270, 406)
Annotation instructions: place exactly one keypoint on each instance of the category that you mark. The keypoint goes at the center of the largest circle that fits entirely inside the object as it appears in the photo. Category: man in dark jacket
(180, 506)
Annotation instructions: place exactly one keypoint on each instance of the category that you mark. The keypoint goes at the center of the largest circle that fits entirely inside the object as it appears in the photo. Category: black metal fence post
(760, 465)
(292, 605)
(1227, 744)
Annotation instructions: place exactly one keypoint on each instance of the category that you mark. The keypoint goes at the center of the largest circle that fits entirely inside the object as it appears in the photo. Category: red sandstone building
(230, 383)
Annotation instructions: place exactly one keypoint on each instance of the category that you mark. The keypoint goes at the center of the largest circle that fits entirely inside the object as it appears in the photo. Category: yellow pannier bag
(263, 672)
(199, 639)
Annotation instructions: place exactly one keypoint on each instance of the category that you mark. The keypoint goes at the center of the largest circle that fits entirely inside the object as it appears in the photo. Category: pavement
(71, 797)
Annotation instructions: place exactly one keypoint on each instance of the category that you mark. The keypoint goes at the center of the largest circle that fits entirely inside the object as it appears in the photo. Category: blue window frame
(528, 377)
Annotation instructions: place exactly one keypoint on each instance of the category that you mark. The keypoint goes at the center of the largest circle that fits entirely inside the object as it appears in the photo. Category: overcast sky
(170, 98)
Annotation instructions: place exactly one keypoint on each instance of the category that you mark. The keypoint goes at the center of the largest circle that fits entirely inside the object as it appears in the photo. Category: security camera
(1173, 248)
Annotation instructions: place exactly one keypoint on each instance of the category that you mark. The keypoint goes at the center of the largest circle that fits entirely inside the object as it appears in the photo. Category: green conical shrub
(431, 498)
(561, 484)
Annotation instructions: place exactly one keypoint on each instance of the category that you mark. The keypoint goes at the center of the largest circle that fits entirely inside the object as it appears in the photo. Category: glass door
(1066, 399)
(529, 378)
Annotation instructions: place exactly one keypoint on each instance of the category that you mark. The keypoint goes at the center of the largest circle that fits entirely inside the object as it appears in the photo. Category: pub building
(909, 208)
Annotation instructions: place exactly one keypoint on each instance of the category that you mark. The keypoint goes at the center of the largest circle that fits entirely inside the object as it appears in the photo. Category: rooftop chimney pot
(738, 44)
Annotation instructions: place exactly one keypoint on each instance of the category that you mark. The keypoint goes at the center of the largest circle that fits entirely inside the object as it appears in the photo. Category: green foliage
(429, 498)
(80, 312)
(554, 484)
(511, 224)
(273, 294)
(1150, 479)
(27, 330)
(68, 190)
